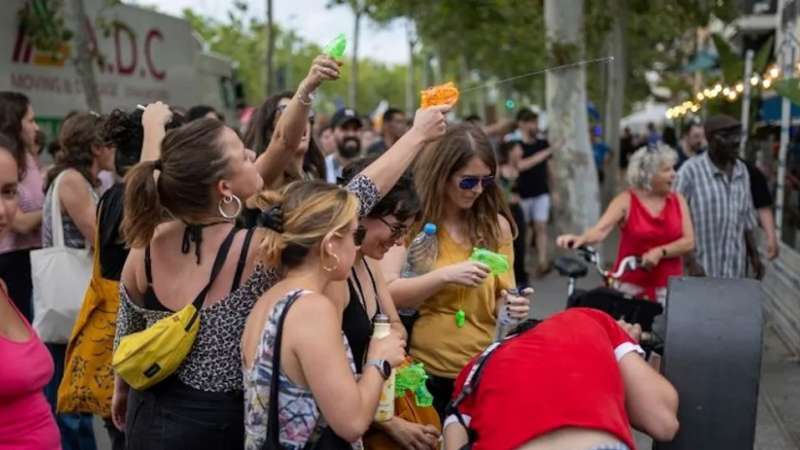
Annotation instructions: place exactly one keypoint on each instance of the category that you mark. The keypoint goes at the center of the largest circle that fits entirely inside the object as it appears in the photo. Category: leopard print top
(214, 364)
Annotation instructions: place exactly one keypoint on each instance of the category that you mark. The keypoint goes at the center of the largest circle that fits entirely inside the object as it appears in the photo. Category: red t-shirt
(562, 373)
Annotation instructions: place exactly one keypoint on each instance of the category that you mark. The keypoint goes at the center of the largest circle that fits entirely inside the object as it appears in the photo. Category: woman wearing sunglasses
(365, 293)
(458, 300)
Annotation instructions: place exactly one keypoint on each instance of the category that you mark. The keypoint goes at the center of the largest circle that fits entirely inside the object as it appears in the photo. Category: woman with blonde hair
(458, 301)
(654, 222)
(312, 229)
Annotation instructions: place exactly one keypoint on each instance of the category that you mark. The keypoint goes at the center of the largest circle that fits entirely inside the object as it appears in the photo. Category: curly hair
(646, 162)
(78, 135)
(123, 130)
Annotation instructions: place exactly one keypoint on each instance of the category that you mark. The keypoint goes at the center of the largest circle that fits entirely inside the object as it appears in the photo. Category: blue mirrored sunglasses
(469, 183)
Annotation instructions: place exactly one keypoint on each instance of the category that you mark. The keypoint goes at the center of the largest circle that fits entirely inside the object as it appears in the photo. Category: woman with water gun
(458, 299)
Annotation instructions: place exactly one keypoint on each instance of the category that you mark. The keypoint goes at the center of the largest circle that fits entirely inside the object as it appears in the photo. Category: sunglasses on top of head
(469, 182)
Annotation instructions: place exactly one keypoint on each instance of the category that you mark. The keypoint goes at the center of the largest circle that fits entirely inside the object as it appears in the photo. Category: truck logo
(123, 62)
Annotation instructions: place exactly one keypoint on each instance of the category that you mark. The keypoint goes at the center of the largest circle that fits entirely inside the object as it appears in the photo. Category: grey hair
(646, 162)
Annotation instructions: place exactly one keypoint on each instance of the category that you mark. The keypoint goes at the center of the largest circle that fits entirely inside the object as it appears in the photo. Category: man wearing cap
(346, 131)
(717, 188)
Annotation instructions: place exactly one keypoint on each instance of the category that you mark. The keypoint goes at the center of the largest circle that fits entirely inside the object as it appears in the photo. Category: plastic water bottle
(420, 258)
(385, 409)
(422, 252)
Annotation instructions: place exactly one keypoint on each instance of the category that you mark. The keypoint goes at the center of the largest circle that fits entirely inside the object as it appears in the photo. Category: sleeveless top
(641, 232)
(31, 199)
(356, 324)
(214, 363)
(72, 234)
(298, 414)
(26, 422)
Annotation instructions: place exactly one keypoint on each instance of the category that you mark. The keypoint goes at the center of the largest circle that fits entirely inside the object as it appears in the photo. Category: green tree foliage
(243, 40)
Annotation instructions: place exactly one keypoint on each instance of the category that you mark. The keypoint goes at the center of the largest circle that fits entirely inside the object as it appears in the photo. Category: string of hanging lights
(730, 93)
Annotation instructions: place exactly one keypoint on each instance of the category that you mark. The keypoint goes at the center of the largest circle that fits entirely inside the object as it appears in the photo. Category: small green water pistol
(498, 263)
(335, 48)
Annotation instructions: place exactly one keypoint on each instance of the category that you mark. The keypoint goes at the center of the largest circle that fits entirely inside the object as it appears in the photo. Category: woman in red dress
(655, 224)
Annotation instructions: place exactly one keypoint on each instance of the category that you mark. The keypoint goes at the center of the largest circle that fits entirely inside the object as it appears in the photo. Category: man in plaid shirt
(717, 188)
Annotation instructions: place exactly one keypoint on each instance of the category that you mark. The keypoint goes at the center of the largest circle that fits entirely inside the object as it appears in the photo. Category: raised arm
(499, 129)
(293, 121)
(429, 124)
(155, 118)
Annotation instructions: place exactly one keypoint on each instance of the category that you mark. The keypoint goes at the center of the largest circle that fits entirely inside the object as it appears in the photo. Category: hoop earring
(335, 265)
(228, 199)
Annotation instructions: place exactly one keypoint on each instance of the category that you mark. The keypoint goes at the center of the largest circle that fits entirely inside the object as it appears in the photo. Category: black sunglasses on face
(397, 229)
(468, 183)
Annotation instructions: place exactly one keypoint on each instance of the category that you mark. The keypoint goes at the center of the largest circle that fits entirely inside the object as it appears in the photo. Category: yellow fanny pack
(145, 358)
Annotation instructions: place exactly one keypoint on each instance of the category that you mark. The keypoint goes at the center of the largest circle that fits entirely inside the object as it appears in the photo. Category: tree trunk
(84, 60)
(574, 178)
(353, 89)
(270, 71)
(410, 97)
(615, 99)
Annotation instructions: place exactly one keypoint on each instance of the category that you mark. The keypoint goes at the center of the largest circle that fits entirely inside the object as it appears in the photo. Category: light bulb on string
(773, 72)
(766, 83)
(754, 80)
(739, 87)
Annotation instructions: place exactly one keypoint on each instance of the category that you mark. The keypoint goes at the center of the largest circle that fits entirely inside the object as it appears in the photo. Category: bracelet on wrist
(663, 252)
(304, 98)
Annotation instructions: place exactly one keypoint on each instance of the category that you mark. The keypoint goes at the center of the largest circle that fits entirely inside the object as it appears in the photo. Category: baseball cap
(343, 116)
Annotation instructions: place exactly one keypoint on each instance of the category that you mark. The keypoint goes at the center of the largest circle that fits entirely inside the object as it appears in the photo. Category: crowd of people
(284, 244)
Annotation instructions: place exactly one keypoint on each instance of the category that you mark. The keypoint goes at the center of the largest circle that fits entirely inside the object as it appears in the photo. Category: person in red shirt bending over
(575, 381)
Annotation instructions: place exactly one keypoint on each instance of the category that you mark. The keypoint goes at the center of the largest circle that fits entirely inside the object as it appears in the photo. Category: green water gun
(498, 263)
(335, 48)
(412, 378)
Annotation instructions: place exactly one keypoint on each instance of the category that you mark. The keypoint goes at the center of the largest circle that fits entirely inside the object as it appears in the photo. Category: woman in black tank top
(367, 293)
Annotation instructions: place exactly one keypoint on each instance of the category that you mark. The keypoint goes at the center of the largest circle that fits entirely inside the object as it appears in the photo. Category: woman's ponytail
(142, 204)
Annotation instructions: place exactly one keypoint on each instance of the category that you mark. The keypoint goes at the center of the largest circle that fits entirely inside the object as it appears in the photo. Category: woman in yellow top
(454, 177)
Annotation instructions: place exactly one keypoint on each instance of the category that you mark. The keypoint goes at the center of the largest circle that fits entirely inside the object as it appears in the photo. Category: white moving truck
(147, 56)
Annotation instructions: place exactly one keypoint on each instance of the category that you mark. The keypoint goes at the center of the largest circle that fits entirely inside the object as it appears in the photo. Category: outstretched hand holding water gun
(443, 94)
